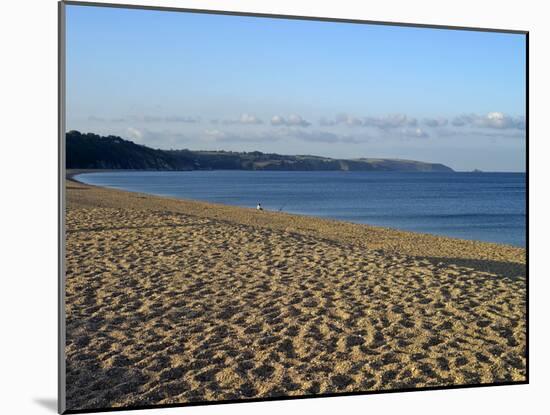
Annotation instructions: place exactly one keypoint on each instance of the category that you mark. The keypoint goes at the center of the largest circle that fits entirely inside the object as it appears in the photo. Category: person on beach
(259, 207)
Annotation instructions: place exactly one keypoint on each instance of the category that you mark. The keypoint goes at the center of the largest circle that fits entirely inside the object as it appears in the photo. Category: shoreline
(71, 173)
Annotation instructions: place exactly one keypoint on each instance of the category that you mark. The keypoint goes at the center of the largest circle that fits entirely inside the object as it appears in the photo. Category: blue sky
(183, 80)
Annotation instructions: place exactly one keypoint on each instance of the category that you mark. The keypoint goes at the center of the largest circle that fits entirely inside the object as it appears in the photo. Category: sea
(487, 207)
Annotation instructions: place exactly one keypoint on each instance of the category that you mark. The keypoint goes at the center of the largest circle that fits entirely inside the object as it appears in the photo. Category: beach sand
(171, 301)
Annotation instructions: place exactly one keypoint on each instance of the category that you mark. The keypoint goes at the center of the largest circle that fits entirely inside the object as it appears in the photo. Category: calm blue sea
(480, 206)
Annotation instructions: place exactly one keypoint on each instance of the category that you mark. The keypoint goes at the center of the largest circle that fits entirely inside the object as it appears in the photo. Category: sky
(175, 80)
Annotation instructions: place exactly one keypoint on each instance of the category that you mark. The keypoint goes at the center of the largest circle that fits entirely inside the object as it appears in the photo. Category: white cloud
(250, 119)
(292, 120)
(497, 120)
(134, 133)
(435, 122)
(390, 121)
(494, 120)
(182, 118)
(278, 120)
(170, 118)
(244, 119)
(415, 132)
(349, 120)
(384, 122)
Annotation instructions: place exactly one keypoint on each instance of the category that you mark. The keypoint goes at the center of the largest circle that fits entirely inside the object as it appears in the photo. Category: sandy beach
(171, 301)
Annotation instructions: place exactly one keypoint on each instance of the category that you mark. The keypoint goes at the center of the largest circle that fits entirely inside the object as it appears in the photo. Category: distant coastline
(91, 151)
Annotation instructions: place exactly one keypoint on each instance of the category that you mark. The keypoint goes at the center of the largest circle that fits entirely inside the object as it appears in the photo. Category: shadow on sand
(512, 270)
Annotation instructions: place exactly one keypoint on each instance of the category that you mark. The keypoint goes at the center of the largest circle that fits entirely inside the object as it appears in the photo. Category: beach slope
(171, 301)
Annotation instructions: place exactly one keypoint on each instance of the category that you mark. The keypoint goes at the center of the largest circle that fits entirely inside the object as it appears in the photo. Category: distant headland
(92, 151)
